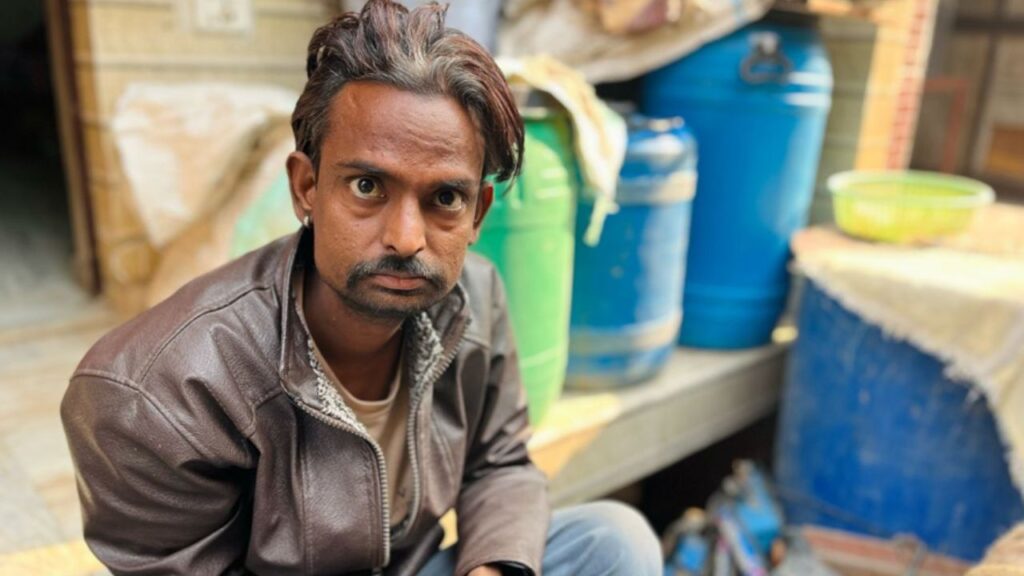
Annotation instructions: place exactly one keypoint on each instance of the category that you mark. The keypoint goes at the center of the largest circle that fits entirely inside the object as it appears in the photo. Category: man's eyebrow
(460, 184)
(368, 168)
(365, 167)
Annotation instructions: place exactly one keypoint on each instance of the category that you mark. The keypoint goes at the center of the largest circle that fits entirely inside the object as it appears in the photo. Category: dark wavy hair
(413, 51)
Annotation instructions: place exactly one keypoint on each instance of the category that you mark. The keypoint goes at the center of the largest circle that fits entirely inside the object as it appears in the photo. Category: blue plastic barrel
(627, 290)
(874, 438)
(757, 102)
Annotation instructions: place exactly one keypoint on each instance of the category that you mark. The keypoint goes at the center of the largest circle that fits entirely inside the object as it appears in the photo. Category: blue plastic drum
(627, 290)
(874, 438)
(757, 102)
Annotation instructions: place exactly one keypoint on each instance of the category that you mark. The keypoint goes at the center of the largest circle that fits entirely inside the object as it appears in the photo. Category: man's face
(397, 200)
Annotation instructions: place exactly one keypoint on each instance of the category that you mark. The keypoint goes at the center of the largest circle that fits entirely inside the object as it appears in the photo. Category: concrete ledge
(593, 443)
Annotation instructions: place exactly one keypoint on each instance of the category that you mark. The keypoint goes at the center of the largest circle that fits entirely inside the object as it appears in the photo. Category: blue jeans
(596, 539)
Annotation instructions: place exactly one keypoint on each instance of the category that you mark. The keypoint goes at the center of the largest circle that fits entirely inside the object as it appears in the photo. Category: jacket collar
(432, 336)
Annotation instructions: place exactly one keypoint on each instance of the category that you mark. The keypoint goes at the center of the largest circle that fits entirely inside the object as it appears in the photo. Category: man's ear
(483, 203)
(302, 183)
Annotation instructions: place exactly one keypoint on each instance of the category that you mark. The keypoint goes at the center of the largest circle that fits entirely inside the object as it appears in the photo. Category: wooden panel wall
(985, 51)
(850, 45)
(118, 42)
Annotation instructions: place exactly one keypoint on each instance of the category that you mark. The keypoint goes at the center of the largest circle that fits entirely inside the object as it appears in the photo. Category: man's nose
(404, 227)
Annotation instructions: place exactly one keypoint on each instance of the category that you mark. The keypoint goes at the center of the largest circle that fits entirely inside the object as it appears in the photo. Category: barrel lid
(658, 145)
(764, 56)
(640, 126)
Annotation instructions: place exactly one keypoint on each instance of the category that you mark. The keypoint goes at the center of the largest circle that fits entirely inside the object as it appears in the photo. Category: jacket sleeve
(503, 508)
(154, 499)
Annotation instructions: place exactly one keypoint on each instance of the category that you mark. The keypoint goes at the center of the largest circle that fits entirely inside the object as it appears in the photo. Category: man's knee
(619, 540)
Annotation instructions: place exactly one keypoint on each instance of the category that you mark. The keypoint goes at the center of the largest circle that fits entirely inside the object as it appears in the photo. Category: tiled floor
(46, 324)
(41, 528)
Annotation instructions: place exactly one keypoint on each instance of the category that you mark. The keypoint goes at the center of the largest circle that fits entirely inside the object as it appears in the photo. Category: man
(317, 405)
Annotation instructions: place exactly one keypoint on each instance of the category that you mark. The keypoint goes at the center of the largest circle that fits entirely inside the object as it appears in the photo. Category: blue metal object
(692, 550)
(757, 102)
(626, 303)
(692, 554)
(755, 507)
(875, 439)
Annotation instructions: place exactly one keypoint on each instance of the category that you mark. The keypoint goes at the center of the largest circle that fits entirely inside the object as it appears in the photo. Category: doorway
(47, 268)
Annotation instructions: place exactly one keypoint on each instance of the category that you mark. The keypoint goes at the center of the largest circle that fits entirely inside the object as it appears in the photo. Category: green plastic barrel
(528, 234)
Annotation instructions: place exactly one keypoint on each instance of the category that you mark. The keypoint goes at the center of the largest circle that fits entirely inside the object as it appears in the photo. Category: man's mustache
(392, 264)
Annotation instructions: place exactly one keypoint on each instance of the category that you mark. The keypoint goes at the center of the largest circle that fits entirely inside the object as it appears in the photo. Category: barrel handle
(765, 50)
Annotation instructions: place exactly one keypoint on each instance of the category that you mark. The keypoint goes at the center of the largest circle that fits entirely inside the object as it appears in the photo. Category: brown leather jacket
(202, 445)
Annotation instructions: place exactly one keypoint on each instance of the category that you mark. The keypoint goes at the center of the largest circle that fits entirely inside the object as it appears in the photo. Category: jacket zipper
(412, 425)
(381, 469)
(411, 435)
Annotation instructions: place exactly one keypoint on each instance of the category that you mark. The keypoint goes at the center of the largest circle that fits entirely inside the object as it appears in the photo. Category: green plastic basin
(905, 206)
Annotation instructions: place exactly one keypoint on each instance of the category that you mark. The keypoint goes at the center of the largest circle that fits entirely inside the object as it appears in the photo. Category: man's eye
(450, 200)
(365, 187)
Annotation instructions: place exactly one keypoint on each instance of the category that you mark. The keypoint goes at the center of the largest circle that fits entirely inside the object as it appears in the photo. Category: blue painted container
(757, 102)
(627, 290)
(873, 438)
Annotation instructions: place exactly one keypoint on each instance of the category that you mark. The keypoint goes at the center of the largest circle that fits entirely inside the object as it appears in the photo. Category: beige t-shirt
(385, 420)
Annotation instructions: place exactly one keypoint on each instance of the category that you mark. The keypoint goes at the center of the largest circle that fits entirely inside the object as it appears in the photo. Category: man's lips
(398, 282)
